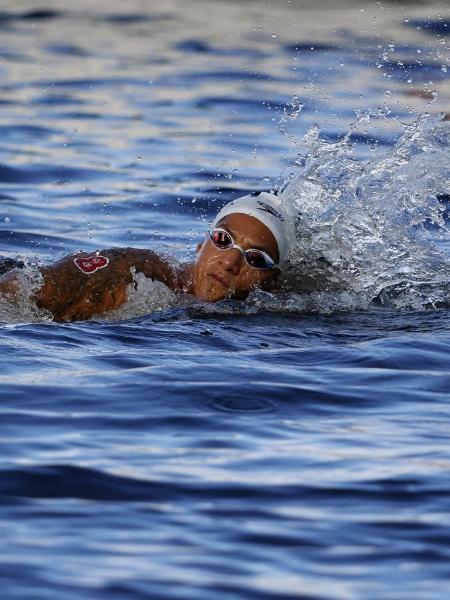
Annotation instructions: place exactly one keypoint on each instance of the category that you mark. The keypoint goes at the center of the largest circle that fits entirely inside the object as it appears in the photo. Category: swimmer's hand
(77, 289)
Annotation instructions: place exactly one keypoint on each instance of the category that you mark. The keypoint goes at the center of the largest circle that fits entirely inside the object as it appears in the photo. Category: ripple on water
(231, 401)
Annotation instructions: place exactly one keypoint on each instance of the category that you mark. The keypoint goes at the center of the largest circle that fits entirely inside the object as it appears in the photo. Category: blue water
(287, 447)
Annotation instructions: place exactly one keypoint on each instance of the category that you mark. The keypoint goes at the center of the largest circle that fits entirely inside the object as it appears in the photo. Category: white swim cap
(268, 209)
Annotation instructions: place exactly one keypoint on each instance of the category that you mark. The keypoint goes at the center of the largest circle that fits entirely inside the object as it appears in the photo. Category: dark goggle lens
(257, 260)
(221, 239)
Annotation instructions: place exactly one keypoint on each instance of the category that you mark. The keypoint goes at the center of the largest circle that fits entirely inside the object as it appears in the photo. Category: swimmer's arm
(150, 264)
(70, 294)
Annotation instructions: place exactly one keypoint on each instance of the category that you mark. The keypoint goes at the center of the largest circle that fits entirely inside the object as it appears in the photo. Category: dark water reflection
(196, 454)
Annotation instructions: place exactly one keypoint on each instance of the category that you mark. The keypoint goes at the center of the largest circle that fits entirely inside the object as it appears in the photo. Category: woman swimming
(246, 248)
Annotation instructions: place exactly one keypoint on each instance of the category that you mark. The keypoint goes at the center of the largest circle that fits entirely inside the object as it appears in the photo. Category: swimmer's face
(222, 274)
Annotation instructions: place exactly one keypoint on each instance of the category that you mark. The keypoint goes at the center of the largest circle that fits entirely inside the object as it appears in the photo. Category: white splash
(20, 307)
(145, 296)
(367, 230)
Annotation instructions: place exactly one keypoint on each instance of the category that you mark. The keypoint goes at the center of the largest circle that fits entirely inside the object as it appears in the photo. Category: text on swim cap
(269, 209)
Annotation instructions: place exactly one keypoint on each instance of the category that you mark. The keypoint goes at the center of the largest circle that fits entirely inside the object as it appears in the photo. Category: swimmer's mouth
(219, 279)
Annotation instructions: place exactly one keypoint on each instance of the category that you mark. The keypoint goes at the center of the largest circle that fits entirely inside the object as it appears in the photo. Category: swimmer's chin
(217, 294)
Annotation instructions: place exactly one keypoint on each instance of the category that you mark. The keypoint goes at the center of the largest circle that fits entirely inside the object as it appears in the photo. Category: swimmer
(246, 248)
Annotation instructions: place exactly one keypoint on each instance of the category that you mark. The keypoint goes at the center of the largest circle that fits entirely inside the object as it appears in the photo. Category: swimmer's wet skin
(245, 249)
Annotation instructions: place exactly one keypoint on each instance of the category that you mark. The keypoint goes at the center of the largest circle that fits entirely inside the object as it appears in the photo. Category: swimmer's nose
(231, 260)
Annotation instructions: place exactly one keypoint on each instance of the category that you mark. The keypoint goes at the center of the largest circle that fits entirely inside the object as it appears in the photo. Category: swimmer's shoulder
(115, 258)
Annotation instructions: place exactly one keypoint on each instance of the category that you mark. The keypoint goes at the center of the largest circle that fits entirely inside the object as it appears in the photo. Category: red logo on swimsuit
(90, 264)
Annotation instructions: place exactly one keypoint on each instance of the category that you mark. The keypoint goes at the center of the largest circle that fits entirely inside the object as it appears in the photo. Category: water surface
(287, 447)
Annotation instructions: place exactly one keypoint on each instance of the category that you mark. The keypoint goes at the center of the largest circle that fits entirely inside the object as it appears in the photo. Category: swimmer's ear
(198, 247)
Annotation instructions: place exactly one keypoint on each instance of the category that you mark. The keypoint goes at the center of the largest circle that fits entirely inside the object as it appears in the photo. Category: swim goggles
(256, 259)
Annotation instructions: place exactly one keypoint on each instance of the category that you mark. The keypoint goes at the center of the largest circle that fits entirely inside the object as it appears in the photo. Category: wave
(67, 481)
